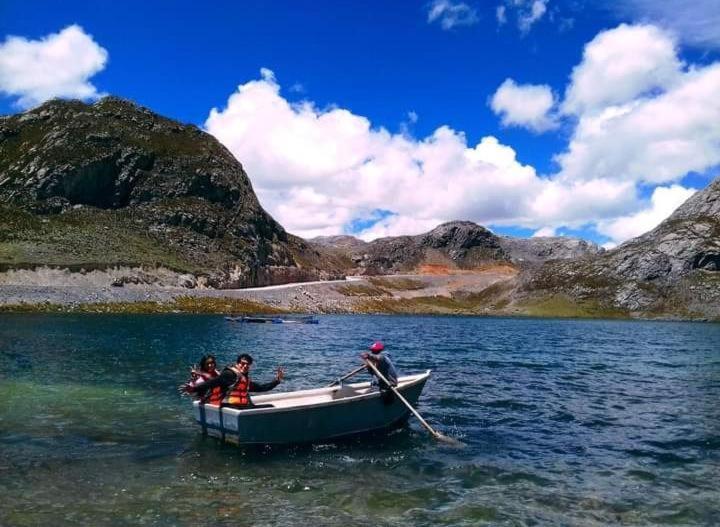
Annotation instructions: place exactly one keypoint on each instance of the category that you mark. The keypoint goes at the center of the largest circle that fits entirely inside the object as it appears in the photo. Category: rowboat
(309, 416)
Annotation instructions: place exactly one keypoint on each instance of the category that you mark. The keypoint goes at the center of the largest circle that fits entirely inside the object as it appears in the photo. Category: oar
(437, 435)
(341, 379)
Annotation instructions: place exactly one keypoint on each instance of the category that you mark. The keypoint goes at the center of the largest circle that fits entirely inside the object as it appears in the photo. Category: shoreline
(153, 308)
(483, 294)
(221, 305)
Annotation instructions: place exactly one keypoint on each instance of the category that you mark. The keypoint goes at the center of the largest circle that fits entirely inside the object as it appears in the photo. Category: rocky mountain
(545, 248)
(673, 269)
(450, 246)
(457, 245)
(341, 242)
(111, 183)
(113, 186)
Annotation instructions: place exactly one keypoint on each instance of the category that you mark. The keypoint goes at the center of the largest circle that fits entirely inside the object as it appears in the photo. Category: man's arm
(257, 387)
(225, 379)
(368, 357)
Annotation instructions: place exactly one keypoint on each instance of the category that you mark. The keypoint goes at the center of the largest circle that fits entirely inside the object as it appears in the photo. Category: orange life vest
(238, 394)
(215, 395)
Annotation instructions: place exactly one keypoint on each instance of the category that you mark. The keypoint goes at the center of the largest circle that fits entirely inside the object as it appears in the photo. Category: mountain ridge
(454, 245)
(112, 185)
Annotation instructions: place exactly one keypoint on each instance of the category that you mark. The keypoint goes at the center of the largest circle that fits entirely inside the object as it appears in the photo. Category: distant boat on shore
(274, 319)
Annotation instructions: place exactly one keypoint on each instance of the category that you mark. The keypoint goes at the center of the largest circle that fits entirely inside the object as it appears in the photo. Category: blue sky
(393, 74)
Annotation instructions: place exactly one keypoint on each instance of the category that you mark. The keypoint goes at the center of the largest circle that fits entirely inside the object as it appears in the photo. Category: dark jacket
(385, 366)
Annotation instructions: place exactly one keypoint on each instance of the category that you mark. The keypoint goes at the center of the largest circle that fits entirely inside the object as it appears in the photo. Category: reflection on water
(566, 422)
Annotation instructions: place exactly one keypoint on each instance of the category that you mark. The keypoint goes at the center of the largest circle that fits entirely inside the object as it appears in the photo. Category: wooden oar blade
(450, 441)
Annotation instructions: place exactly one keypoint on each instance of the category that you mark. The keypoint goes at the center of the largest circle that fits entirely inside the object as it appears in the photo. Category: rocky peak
(154, 177)
(111, 154)
(688, 239)
(703, 204)
(674, 266)
(458, 235)
(452, 245)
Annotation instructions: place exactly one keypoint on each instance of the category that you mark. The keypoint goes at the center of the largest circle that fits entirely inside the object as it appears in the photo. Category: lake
(566, 422)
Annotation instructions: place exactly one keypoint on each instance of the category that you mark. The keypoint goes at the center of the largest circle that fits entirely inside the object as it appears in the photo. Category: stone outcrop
(175, 195)
(672, 269)
(545, 248)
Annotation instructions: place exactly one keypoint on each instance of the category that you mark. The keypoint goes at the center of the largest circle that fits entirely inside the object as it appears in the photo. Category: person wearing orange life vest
(236, 384)
(205, 373)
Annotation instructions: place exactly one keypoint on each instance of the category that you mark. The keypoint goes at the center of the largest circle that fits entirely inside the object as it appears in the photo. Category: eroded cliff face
(673, 269)
(112, 183)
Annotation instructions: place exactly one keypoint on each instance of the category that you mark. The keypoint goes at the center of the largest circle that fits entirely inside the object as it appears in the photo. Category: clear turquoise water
(566, 423)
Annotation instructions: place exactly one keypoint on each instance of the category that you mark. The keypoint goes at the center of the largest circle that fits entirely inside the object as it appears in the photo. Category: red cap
(377, 347)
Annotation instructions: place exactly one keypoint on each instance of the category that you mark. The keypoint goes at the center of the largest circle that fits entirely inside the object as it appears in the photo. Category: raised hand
(186, 389)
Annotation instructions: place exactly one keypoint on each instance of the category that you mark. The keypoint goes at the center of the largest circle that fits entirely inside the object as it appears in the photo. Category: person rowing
(236, 384)
(385, 366)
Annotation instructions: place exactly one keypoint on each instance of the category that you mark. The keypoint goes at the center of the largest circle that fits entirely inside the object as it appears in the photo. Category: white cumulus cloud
(524, 105)
(57, 65)
(451, 14)
(399, 225)
(653, 138)
(642, 117)
(637, 116)
(318, 170)
(619, 65)
(696, 22)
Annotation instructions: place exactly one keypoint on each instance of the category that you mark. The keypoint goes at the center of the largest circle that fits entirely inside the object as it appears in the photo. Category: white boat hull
(310, 415)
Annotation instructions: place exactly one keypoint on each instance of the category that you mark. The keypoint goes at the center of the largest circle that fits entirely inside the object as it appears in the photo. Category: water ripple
(566, 422)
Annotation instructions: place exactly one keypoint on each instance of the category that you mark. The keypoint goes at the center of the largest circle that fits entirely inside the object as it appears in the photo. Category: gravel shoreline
(346, 296)
(312, 298)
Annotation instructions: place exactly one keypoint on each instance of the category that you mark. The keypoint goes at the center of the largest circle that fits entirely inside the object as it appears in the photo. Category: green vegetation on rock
(563, 307)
